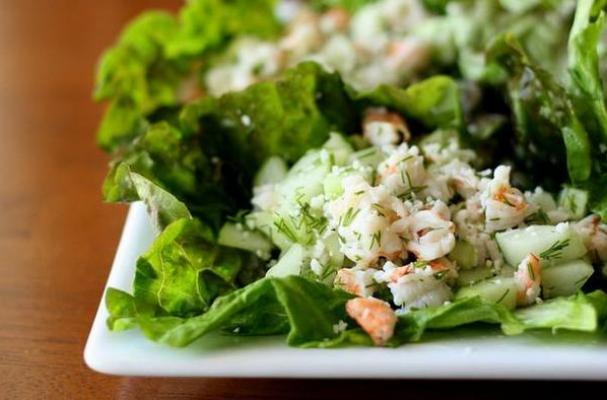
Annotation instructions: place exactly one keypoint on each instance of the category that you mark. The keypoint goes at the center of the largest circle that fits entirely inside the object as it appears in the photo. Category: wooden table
(57, 239)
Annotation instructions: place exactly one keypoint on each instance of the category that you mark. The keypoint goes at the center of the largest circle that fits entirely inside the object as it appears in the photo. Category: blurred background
(57, 239)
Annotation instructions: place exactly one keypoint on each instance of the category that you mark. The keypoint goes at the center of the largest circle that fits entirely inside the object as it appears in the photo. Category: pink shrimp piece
(336, 19)
(376, 317)
(383, 127)
(528, 277)
(359, 283)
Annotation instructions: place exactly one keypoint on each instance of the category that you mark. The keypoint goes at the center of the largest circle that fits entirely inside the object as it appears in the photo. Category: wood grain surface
(57, 238)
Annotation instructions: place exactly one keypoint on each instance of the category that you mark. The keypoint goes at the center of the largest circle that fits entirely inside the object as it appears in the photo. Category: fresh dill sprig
(538, 217)
(376, 238)
(349, 216)
(379, 208)
(555, 251)
(503, 296)
(366, 153)
(530, 271)
(285, 229)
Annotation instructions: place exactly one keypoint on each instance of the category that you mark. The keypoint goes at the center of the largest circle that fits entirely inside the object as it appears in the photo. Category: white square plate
(490, 356)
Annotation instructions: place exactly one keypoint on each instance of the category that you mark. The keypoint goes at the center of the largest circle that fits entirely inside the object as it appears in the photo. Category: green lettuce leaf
(162, 206)
(350, 5)
(123, 70)
(206, 24)
(542, 112)
(435, 102)
(185, 270)
(158, 56)
(575, 313)
(122, 309)
(285, 117)
(586, 84)
(174, 162)
(413, 325)
(307, 309)
(586, 88)
(580, 313)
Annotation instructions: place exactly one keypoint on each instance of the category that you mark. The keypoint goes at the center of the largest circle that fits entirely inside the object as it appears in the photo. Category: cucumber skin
(565, 279)
(516, 244)
(464, 254)
(574, 200)
(469, 277)
(494, 290)
(231, 235)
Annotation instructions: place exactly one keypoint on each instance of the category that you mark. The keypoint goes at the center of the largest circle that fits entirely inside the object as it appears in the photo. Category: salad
(354, 172)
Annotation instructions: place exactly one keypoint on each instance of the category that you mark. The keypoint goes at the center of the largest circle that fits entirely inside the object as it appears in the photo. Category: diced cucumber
(553, 244)
(294, 227)
(238, 236)
(264, 222)
(290, 263)
(574, 200)
(305, 179)
(495, 290)
(544, 200)
(332, 186)
(566, 278)
(305, 163)
(468, 277)
(464, 254)
(336, 257)
(339, 148)
(273, 170)
(370, 156)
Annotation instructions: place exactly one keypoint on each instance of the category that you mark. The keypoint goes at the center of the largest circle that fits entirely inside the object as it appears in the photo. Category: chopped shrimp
(392, 272)
(463, 178)
(528, 278)
(594, 235)
(376, 317)
(368, 221)
(416, 285)
(403, 171)
(335, 20)
(359, 282)
(444, 267)
(505, 206)
(407, 54)
(382, 127)
(432, 233)
(303, 36)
